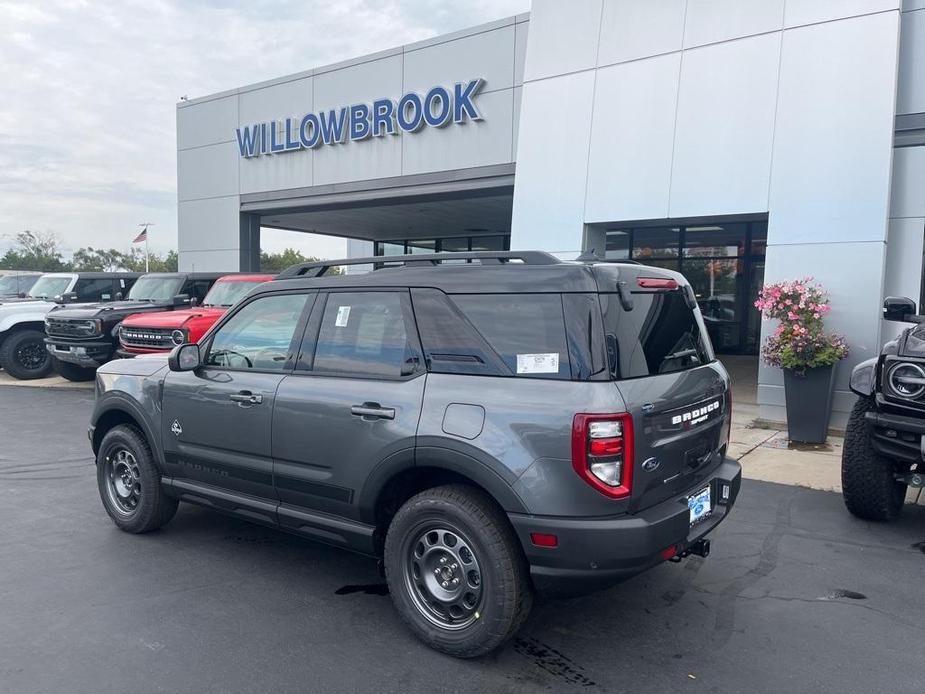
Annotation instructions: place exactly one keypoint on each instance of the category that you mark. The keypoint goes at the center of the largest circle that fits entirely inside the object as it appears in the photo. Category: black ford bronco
(490, 427)
(81, 337)
(884, 451)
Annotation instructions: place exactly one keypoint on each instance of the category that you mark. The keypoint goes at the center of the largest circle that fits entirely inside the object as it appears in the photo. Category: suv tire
(72, 372)
(23, 355)
(129, 482)
(456, 571)
(868, 485)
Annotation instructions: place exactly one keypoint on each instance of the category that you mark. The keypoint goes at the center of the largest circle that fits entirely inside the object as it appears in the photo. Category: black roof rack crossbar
(317, 269)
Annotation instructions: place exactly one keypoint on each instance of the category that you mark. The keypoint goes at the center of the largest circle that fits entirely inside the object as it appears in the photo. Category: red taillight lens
(657, 283)
(602, 452)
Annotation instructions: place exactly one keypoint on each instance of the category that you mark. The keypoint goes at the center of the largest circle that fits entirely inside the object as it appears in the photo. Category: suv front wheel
(869, 485)
(23, 355)
(456, 572)
(129, 482)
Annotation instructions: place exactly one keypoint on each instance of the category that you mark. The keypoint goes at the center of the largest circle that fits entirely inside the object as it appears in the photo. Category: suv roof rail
(318, 268)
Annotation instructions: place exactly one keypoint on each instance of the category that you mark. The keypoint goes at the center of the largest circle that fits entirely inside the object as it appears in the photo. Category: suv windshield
(9, 284)
(49, 286)
(228, 292)
(661, 334)
(150, 288)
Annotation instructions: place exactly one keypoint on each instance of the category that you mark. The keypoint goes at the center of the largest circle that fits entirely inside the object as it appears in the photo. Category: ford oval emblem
(650, 465)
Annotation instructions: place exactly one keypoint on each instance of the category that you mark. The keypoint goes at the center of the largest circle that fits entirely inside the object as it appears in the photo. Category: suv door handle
(246, 397)
(374, 410)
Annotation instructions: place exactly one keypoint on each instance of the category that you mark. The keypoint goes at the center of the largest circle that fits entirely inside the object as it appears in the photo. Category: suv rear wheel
(23, 355)
(129, 482)
(456, 572)
(868, 484)
(72, 372)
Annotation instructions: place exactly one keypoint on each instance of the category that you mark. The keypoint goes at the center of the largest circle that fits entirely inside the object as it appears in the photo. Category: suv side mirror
(898, 308)
(181, 300)
(194, 302)
(185, 357)
(118, 296)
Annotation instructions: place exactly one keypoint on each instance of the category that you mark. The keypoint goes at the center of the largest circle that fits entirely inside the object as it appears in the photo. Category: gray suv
(491, 425)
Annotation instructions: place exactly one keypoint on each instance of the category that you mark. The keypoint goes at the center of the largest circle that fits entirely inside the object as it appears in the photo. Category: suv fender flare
(116, 402)
(20, 320)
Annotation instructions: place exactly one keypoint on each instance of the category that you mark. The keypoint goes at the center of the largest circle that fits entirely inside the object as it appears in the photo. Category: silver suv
(491, 425)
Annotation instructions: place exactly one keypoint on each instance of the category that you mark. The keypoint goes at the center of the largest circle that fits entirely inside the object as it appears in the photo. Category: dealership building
(738, 141)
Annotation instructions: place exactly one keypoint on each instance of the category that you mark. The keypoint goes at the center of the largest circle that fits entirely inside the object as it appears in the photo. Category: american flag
(143, 236)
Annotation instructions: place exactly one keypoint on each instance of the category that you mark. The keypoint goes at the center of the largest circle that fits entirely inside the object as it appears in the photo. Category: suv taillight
(602, 452)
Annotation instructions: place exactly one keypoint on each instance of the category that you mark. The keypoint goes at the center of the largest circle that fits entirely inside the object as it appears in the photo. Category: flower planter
(809, 403)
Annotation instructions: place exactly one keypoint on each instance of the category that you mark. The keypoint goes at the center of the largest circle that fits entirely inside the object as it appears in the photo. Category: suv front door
(353, 401)
(217, 418)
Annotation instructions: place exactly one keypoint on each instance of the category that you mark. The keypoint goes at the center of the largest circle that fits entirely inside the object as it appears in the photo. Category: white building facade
(739, 141)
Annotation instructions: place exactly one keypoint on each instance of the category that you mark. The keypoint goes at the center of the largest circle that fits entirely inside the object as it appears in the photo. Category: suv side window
(365, 334)
(260, 335)
(197, 289)
(122, 285)
(90, 290)
(526, 330)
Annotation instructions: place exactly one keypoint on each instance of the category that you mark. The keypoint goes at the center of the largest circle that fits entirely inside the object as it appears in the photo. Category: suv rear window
(661, 334)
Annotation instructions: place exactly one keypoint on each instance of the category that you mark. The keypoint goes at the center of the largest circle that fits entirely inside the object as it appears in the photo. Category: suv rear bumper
(87, 353)
(595, 553)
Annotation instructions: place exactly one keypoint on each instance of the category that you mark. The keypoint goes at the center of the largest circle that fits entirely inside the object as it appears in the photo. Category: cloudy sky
(87, 117)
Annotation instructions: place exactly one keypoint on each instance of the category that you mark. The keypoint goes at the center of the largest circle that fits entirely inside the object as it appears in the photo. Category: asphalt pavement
(797, 596)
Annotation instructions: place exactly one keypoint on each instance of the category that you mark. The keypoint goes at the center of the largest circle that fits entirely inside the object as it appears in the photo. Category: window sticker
(547, 363)
(343, 315)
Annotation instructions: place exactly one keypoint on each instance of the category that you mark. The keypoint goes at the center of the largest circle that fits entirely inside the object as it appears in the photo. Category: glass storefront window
(618, 244)
(489, 243)
(717, 284)
(656, 242)
(759, 238)
(458, 245)
(715, 240)
(415, 247)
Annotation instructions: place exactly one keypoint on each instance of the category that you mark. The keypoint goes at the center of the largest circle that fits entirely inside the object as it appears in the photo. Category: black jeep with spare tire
(884, 451)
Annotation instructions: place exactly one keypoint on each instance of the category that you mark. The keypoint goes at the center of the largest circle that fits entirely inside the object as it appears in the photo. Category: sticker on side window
(547, 363)
(343, 315)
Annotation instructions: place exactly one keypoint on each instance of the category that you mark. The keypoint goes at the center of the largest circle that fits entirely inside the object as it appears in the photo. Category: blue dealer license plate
(699, 505)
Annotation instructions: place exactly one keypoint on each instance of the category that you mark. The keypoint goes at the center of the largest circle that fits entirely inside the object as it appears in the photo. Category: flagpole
(144, 226)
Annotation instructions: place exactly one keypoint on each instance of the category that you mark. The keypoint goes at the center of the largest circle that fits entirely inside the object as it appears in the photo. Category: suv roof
(536, 271)
(188, 275)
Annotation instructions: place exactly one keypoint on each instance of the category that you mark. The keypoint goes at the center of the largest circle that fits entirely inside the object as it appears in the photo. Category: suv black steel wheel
(456, 572)
(129, 482)
(23, 355)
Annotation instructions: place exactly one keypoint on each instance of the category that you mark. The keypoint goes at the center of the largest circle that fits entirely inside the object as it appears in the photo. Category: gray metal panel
(277, 171)
(489, 55)
(522, 32)
(210, 261)
(908, 190)
(821, 189)
(207, 122)
(277, 101)
(800, 12)
(911, 95)
(207, 172)
(474, 143)
(375, 157)
(631, 29)
(709, 21)
(629, 162)
(551, 173)
(725, 127)
(563, 37)
(208, 224)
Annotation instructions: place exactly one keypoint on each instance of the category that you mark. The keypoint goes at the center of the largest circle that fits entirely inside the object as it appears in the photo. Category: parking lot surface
(797, 596)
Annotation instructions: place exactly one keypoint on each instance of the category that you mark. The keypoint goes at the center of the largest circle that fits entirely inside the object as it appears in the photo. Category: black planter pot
(809, 403)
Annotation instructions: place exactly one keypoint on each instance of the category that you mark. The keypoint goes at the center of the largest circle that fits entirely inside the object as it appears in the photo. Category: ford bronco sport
(22, 327)
(884, 445)
(493, 427)
(80, 338)
(152, 333)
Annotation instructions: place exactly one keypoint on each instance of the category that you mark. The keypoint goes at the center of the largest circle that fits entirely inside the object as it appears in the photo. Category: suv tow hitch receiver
(701, 548)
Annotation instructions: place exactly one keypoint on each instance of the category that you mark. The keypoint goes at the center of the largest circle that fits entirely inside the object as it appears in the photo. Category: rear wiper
(681, 354)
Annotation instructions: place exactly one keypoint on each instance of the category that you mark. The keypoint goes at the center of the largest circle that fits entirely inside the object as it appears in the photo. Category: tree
(135, 261)
(34, 250)
(90, 259)
(277, 262)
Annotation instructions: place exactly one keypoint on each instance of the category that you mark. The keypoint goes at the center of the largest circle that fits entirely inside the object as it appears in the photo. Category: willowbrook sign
(361, 121)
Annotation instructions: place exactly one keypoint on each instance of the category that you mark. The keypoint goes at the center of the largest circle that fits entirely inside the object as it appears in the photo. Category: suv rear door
(353, 400)
(663, 365)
